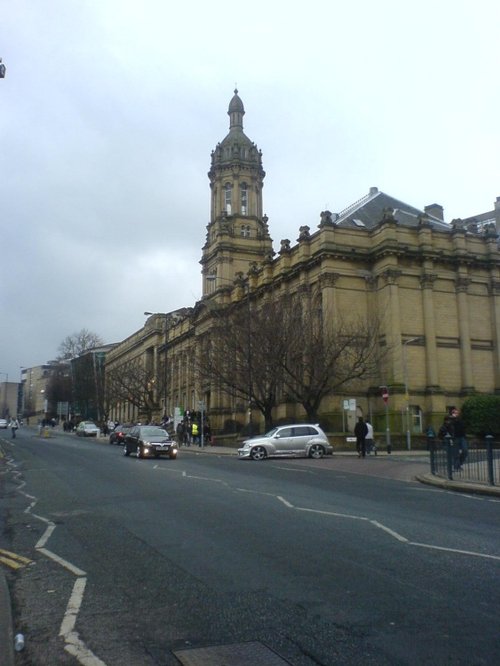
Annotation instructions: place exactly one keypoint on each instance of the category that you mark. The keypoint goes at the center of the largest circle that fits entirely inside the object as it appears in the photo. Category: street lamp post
(407, 397)
(165, 375)
(213, 278)
(5, 387)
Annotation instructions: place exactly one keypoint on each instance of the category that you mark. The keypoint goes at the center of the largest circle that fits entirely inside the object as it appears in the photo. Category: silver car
(299, 439)
(87, 429)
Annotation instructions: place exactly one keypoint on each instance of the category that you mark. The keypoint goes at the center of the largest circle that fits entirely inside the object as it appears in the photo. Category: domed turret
(237, 234)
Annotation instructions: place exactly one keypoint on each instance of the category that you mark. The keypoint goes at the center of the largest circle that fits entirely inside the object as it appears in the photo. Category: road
(149, 562)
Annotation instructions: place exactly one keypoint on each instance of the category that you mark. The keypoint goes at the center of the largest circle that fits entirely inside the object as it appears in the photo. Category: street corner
(458, 486)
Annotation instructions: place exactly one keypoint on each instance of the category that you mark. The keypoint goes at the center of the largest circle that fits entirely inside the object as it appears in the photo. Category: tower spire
(236, 111)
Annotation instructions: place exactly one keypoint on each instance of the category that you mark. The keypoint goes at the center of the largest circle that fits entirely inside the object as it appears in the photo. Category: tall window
(244, 198)
(227, 198)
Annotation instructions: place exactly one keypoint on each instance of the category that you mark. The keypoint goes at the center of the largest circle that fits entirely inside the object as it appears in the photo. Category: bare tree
(264, 352)
(73, 345)
(325, 354)
(241, 355)
(133, 383)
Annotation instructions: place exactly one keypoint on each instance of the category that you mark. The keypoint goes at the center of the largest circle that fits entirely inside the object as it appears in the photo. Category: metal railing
(480, 464)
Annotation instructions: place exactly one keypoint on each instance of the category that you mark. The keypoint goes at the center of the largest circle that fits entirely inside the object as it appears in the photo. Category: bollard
(389, 448)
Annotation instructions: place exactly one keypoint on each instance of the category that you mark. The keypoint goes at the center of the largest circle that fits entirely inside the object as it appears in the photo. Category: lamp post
(165, 316)
(5, 386)
(213, 278)
(407, 397)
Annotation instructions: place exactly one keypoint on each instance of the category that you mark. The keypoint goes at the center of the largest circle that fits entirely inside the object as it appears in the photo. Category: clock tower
(237, 234)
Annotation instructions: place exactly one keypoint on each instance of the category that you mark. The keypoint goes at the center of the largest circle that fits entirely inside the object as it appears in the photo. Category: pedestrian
(14, 425)
(459, 434)
(207, 433)
(195, 433)
(369, 441)
(361, 430)
(180, 433)
(447, 435)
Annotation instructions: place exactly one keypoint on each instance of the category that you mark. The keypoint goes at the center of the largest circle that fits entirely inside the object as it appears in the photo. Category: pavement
(6, 626)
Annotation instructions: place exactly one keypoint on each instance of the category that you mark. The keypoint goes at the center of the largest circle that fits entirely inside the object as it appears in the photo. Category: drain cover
(239, 654)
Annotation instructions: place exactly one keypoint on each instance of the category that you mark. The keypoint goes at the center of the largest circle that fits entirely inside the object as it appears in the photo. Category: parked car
(149, 441)
(87, 429)
(3, 423)
(117, 435)
(299, 439)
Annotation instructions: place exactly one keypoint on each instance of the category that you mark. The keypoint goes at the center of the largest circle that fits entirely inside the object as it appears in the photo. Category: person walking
(195, 434)
(447, 435)
(14, 425)
(369, 440)
(360, 431)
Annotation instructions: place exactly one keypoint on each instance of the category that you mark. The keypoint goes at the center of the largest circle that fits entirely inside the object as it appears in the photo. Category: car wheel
(316, 451)
(126, 452)
(258, 453)
(139, 452)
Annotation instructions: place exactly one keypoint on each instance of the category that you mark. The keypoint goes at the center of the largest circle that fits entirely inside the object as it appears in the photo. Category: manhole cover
(239, 654)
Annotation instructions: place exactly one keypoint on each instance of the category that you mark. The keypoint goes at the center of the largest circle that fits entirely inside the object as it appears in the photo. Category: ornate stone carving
(427, 280)
(326, 219)
(391, 275)
(494, 287)
(285, 245)
(328, 279)
(462, 284)
(304, 233)
(388, 215)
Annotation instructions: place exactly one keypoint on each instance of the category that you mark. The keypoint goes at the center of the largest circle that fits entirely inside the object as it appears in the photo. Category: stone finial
(388, 215)
(304, 233)
(326, 218)
(285, 245)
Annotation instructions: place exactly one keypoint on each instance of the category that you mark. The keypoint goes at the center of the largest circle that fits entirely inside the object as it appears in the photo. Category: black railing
(479, 464)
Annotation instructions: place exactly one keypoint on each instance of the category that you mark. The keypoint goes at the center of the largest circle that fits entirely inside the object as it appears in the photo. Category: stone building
(434, 284)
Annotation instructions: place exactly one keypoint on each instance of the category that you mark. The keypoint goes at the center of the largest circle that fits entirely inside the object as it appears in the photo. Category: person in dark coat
(360, 431)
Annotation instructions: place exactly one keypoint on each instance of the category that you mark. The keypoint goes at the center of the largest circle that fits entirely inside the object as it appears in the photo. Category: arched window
(244, 198)
(227, 198)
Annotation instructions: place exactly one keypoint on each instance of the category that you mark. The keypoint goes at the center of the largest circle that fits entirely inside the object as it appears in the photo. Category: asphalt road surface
(150, 562)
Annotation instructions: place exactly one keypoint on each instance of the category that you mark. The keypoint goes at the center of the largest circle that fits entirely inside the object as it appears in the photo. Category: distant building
(34, 391)
(9, 394)
(89, 397)
(435, 284)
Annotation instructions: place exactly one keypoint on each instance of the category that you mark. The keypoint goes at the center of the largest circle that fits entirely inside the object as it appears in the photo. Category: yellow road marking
(13, 560)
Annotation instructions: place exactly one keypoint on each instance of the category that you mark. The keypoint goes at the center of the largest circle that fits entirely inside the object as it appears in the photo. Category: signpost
(201, 409)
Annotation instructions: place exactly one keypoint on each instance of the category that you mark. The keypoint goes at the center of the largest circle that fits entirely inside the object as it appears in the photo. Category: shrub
(481, 414)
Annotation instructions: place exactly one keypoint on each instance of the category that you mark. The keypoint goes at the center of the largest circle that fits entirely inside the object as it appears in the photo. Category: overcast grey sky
(110, 109)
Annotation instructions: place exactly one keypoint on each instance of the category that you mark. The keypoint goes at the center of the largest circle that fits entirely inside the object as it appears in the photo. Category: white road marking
(389, 531)
(62, 562)
(454, 550)
(73, 644)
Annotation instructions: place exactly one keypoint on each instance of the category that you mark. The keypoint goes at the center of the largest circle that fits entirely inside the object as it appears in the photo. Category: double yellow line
(12, 560)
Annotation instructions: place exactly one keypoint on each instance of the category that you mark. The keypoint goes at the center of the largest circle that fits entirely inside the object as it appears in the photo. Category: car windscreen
(153, 432)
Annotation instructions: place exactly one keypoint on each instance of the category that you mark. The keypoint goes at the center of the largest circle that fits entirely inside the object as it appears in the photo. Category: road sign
(385, 394)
